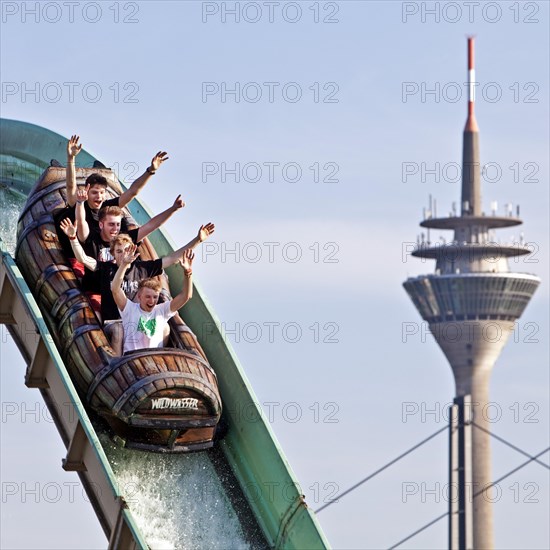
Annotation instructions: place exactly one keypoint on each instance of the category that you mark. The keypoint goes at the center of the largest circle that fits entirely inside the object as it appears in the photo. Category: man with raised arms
(145, 320)
(97, 198)
(97, 242)
(97, 187)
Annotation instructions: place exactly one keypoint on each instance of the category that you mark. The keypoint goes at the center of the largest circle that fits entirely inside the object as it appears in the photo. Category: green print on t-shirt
(147, 327)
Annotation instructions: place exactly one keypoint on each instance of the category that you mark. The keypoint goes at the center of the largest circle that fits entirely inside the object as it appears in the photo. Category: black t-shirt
(138, 271)
(98, 249)
(91, 218)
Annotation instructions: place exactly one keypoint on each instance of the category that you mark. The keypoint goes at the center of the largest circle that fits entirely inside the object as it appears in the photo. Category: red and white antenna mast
(471, 124)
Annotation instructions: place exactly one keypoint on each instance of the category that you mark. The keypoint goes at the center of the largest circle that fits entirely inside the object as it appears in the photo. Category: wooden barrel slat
(128, 373)
(152, 366)
(27, 219)
(27, 265)
(171, 364)
(86, 361)
(161, 384)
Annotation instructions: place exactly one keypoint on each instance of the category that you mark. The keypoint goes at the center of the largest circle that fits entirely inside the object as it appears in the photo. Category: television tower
(471, 304)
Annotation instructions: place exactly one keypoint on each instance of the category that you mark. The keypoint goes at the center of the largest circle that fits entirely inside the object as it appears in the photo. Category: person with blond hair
(145, 321)
(96, 243)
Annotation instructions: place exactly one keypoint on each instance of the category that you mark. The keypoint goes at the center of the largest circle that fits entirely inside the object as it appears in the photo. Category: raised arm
(116, 285)
(80, 213)
(187, 291)
(73, 148)
(138, 185)
(159, 219)
(71, 231)
(204, 232)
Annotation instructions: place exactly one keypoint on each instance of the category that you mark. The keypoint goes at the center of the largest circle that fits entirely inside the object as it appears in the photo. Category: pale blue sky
(361, 221)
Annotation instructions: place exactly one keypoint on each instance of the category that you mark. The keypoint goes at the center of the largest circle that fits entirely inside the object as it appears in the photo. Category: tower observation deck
(471, 304)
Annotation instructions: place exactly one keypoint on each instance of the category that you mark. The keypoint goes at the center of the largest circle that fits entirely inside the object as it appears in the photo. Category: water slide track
(242, 469)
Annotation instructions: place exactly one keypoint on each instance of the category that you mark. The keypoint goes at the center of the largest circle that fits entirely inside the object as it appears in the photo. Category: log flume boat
(162, 399)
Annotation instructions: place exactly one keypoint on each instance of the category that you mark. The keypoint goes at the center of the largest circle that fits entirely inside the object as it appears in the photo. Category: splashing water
(10, 205)
(177, 500)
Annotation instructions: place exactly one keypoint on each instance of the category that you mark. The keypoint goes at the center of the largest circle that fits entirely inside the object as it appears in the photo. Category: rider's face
(96, 196)
(110, 227)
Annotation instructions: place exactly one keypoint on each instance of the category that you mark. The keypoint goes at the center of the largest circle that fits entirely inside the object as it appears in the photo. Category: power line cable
(419, 530)
(502, 440)
(512, 471)
(475, 495)
(337, 497)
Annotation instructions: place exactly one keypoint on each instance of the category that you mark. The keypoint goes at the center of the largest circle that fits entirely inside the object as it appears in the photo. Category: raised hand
(68, 227)
(187, 261)
(82, 193)
(73, 147)
(130, 255)
(205, 231)
(178, 203)
(158, 159)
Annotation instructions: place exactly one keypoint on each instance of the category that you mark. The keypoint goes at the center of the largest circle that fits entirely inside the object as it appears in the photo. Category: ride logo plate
(174, 403)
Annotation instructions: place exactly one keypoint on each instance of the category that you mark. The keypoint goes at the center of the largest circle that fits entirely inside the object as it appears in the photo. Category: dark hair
(96, 179)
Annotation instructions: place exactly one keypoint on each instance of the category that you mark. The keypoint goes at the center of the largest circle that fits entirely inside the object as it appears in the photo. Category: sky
(312, 134)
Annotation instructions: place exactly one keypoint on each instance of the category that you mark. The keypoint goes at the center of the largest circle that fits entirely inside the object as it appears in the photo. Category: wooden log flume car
(163, 399)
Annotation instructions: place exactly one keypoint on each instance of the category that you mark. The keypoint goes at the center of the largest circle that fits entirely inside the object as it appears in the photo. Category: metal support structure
(34, 377)
(460, 475)
(121, 536)
(74, 460)
(46, 371)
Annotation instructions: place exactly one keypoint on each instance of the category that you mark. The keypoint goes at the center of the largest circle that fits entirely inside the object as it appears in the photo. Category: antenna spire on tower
(471, 185)
(471, 78)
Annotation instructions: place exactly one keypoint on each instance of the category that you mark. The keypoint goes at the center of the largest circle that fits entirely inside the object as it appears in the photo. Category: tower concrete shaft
(471, 304)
